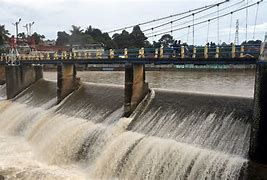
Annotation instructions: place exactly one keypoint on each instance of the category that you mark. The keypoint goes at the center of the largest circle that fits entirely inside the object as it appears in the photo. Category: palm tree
(76, 30)
(3, 34)
(77, 35)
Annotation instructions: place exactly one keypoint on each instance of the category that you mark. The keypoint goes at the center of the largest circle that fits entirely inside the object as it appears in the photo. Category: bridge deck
(156, 61)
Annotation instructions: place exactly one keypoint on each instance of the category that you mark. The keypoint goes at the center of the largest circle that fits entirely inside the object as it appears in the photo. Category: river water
(236, 82)
(194, 125)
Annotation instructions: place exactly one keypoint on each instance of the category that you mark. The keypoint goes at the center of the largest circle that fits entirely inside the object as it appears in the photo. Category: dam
(67, 128)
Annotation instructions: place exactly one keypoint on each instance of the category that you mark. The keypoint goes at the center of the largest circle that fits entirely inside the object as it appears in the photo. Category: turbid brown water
(174, 135)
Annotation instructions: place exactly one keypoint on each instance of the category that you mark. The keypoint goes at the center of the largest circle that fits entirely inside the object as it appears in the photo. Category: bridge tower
(237, 32)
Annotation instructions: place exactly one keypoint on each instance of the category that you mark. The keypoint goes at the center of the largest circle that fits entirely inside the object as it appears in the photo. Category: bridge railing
(179, 52)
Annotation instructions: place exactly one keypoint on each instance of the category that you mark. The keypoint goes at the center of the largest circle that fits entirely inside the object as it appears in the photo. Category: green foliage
(166, 40)
(37, 38)
(22, 35)
(3, 34)
(63, 38)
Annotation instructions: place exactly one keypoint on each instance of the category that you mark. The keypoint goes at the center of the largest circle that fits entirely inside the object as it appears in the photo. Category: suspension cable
(218, 24)
(256, 17)
(230, 31)
(201, 16)
(166, 17)
(181, 18)
(188, 32)
(247, 22)
(214, 18)
(193, 29)
(171, 28)
(208, 31)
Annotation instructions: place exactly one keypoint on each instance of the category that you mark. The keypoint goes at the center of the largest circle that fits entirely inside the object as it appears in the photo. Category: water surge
(174, 135)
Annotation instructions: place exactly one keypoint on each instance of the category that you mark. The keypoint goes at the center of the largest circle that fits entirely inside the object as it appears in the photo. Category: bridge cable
(166, 17)
(211, 19)
(171, 28)
(230, 30)
(247, 22)
(175, 20)
(256, 17)
(218, 24)
(208, 31)
(193, 29)
(152, 35)
(188, 32)
(201, 16)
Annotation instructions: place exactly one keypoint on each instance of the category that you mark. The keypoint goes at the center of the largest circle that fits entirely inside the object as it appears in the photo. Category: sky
(51, 16)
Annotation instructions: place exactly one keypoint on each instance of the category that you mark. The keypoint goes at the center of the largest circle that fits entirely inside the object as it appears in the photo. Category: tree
(37, 38)
(166, 40)
(63, 38)
(76, 36)
(22, 35)
(3, 34)
(123, 40)
(138, 38)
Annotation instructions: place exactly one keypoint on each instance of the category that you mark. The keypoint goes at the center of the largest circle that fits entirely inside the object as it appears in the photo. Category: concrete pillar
(67, 81)
(2, 74)
(19, 77)
(258, 140)
(242, 49)
(135, 87)
(194, 52)
(182, 52)
(217, 53)
(206, 52)
(161, 52)
(233, 50)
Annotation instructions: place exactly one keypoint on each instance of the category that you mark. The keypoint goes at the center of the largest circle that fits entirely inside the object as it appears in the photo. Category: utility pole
(27, 29)
(30, 28)
(237, 32)
(16, 24)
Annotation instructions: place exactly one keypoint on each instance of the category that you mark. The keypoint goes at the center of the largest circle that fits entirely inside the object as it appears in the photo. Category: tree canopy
(3, 34)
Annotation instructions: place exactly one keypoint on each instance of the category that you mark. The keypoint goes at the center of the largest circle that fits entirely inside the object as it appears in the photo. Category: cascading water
(84, 137)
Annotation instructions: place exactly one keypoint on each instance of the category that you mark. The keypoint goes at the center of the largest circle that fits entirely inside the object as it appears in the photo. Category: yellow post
(42, 56)
(194, 52)
(100, 54)
(125, 53)
(55, 55)
(233, 50)
(48, 56)
(74, 55)
(156, 53)
(242, 50)
(111, 54)
(206, 51)
(217, 52)
(64, 55)
(161, 53)
(141, 53)
(79, 55)
(97, 53)
(182, 52)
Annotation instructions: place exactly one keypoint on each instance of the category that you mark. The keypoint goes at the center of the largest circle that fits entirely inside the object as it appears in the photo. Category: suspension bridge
(207, 53)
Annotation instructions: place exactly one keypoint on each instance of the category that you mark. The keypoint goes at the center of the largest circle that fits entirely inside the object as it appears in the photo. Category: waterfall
(170, 136)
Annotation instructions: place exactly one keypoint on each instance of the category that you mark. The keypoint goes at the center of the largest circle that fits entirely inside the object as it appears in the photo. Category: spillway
(172, 135)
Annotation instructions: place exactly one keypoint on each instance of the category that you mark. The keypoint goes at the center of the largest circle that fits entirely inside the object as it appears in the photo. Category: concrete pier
(258, 141)
(135, 87)
(2, 74)
(67, 81)
(19, 77)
